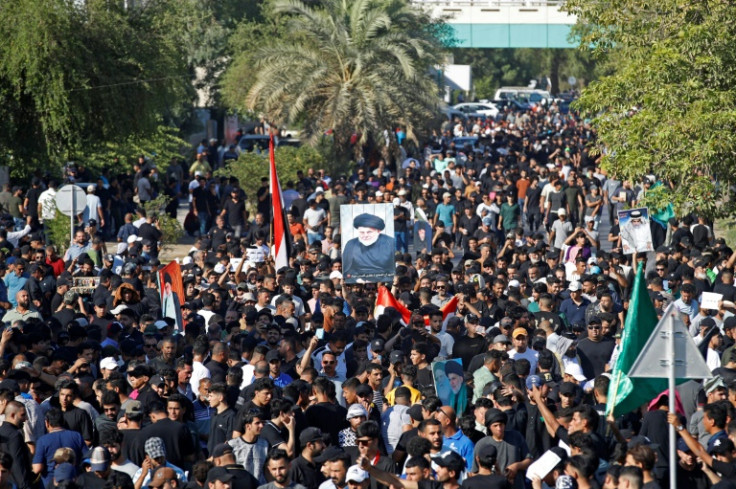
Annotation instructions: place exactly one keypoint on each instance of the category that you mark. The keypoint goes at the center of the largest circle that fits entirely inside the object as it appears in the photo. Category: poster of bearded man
(636, 235)
(368, 243)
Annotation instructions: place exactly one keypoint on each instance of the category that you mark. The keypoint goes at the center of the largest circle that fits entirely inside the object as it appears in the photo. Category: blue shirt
(573, 312)
(282, 380)
(47, 445)
(14, 283)
(461, 445)
(445, 213)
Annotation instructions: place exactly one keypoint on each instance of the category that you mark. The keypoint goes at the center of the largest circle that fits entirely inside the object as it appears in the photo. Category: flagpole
(673, 457)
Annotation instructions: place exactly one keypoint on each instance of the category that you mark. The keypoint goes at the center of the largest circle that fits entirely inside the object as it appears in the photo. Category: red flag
(281, 242)
(448, 308)
(385, 299)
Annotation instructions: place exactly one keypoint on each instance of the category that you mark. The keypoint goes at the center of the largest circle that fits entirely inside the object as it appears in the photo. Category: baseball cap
(310, 435)
(396, 356)
(576, 372)
(108, 363)
(451, 460)
(355, 411)
(99, 459)
(534, 381)
(519, 332)
(155, 448)
(272, 355)
(721, 446)
(415, 411)
(221, 449)
(356, 474)
(574, 286)
(501, 338)
(133, 407)
(64, 472)
(713, 383)
(218, 474)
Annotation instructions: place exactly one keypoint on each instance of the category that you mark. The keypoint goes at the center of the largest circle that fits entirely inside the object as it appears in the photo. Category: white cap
(120, 308)
(379, 193)
(319, 190)
(574, 286)
(132, 239)
(90, 188)
(219, 268)
(335, 274)
(108, 363)
(198, 174)
(402, 191)
(576, 372)
(356, 474)
(356, 410)
(561, 212)
(186, 260)
(160, 324)
(121, 248)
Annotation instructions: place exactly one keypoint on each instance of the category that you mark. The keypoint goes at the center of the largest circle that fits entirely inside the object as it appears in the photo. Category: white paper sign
(544, 465)
(710, 300)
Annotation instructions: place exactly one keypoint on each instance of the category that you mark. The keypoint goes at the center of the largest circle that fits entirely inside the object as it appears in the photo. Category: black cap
(396, 356)
(309, 435)
(222, 449)
(219, 474)
(329, 453)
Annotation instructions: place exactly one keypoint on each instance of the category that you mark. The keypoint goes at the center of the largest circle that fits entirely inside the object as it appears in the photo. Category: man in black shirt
(234, 210)
(176, 436)
(304, 469)
(12, 442)
(595, 350)
(222, 423)
(466, 347)
(485, 459)
(326, 414)
(279, 431)
(217, 366)
(75, 419)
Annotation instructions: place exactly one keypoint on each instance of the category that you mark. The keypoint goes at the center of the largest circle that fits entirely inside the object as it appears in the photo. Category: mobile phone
(320, 334)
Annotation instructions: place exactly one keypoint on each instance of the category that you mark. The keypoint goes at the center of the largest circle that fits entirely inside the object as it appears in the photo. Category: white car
(487, 109)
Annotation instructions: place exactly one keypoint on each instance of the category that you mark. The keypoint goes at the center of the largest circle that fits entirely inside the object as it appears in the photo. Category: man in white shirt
(521, 349)
(93, 209)
(47, 202)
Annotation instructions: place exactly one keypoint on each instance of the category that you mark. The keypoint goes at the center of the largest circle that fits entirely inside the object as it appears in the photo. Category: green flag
(627, 394)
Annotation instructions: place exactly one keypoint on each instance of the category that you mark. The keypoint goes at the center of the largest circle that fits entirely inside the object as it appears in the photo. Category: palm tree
(352, 67)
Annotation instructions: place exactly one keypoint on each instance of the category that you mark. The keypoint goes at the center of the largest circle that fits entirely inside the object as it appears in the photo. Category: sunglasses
(329, 363)
(594, 327)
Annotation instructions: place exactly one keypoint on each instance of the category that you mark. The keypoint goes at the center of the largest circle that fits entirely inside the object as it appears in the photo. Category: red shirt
(56, 266)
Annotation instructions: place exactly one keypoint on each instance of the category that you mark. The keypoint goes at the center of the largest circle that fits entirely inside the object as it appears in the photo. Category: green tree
(251, 167)
(77, 75)
(349, 67)
(669, 105)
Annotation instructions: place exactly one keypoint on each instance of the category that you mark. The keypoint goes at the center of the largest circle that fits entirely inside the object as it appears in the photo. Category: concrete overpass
(505, 23)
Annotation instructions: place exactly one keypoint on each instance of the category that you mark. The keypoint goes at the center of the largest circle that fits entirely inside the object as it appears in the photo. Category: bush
(171, 228)
(251, 167)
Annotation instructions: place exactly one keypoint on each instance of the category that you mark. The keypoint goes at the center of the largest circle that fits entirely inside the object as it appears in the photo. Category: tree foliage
(251, 167)
(350, 67)
(669, 106)
(78, 75)
(494, 68)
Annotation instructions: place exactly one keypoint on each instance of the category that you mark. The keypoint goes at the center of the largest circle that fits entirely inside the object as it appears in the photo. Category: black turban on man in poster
(369, 257)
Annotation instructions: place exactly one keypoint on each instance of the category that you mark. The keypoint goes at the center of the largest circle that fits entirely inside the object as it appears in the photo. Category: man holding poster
(172, 289)
(369, 255)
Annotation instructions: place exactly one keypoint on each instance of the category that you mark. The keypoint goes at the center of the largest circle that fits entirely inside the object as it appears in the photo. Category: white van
(532, 95)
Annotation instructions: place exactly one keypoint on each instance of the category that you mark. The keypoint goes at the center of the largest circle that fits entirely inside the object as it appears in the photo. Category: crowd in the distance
(286, 378)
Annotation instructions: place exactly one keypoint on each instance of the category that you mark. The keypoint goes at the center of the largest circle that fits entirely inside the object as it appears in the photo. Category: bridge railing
(490, 3)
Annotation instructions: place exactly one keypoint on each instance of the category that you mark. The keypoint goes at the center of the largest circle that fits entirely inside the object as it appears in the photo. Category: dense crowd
(289, 378)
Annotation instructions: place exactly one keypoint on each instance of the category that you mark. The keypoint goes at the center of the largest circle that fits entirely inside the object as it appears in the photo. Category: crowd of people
(292, 378)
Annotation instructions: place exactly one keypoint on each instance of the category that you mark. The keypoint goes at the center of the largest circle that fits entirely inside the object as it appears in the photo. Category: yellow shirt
(416, 396)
